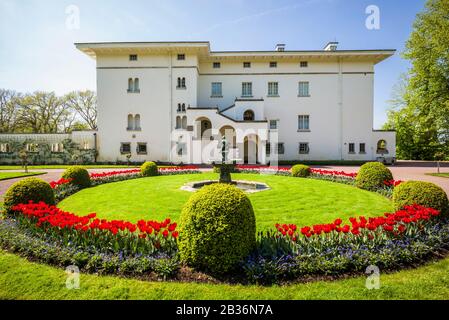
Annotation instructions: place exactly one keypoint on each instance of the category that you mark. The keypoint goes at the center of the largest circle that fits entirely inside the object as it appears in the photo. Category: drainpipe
(170, 78)
(95, 147)
(340, 105)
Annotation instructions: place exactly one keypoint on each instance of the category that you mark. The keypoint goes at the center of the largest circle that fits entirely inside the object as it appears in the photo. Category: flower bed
(63, 188)
(144, 237)
(391, 242)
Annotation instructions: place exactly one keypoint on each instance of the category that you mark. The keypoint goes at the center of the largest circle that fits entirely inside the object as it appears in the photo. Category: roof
(202, 48)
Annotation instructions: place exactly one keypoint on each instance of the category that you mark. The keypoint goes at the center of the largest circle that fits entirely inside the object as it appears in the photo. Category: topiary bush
(29, 189)
(419, 192)
(218, 228)
(300, 170)
(372, 175)
(78, 176)
(149, 169)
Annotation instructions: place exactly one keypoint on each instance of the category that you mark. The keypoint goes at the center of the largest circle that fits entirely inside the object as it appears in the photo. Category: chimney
(280, 47)
(331, 46)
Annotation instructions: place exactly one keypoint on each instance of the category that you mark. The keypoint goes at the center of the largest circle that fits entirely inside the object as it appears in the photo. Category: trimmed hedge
(149, 169)
(372, 175)
(29, 189)
(79, 176)
(420, 192)
(218, 229)
(300, 170)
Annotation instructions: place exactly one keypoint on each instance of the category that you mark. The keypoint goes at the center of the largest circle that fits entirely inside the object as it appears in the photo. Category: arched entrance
(251, 149)
(203, 128)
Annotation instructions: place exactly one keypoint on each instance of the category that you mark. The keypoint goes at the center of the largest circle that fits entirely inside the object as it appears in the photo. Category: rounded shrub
(372, 176)
(149, 169)
(218, 228)
(78, 176)
(423, 193)
(300, 170)
(29, 189)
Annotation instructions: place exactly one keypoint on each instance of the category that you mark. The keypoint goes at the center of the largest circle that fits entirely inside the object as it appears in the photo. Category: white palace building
(174, 101)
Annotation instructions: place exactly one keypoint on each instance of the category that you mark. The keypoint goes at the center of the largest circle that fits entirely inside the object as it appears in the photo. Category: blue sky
(37, 51)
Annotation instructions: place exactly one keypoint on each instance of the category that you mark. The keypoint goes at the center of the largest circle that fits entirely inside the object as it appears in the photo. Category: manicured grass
(291, 200)
(90, 166)
(443, 174)
(12, 175)
(21, 279)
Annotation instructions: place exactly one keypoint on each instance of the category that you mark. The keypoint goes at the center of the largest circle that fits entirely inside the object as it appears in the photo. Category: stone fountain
(226, 167)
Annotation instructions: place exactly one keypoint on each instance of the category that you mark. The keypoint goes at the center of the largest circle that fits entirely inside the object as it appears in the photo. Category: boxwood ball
(218, 228)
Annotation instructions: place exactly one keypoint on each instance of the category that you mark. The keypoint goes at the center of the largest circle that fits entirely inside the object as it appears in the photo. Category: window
(273, 64)
(268, 148)
(303, 64)
(141, 148)
(5, 148)
(178, 122)
(133, 85)
(181, 56)
(133, 57)
(125, 147)
(183, 107)
(273, 124)
(362, 148)
(57, 147)
(133, 123)
(247, 89)
(181, 84)
(273, 89)
(216, 65)
(303, 122)
(246, 64)
(280, 148)
(303, 89)
(216, 89)
(32, 147)
(137, 122)
(248, 115)
(184, 123)
(351, 148)
(303, 148)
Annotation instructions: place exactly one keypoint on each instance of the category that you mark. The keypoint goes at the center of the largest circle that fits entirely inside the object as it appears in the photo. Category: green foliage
(421, 119)
(218, 228)
(372, 175)
(419, 192)
(23, 191)
(149, 169)
(300, 170)
(79, 176)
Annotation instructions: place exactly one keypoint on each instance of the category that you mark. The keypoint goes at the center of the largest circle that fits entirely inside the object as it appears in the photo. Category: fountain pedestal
(225, 172)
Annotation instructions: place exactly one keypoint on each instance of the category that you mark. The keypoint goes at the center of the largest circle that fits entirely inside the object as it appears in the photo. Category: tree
(8, 110)
(43, 112)
(85, 104)
(421, 114)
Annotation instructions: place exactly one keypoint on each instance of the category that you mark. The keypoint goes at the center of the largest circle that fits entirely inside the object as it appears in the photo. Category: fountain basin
(247, 186)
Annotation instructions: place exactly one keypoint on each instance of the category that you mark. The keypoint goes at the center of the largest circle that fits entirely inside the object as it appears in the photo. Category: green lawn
(443, 174)
(291, 200)
(12, 175)
(21, 279)
(90, 166)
